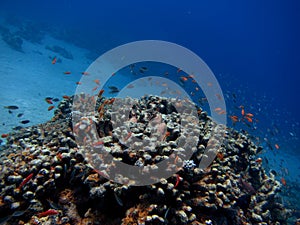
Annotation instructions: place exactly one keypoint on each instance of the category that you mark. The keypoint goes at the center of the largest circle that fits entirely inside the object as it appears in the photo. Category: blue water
(252, 47)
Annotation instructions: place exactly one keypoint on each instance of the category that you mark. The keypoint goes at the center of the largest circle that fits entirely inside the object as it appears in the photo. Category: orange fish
(50, 107)
(66, 97)
(222, 112)
(54, 60)
(218, 109)
(183, 78)
(78, 83)
(243, 112)
(209, 84)
(4, 135)
(101, 107)
(249, 115)
(85, 73)
(277, 146)
(67, 72)
(234, 119)
(249, 119)
(97, 81)
(95, 88)
(283, 181)
(101, 92)
(111, 101)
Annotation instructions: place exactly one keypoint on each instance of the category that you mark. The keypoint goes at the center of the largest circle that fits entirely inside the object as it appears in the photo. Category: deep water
(252, 47)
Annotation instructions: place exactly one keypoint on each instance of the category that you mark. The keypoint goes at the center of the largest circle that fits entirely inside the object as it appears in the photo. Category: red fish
(234, 119)
(128, 136)
(78, 83)
(220, 156)
(222, 112)
(249, 115)
(50, 107)
(166, 135)
(97, 81)
(259, 160)
(178, 178)
(101, 92)
(66, 97)
(111, 101)
(67, 72)
(277, 146)
(95, 88)
(49, 101)
(54, 60)
(49, 212)
(4, 135)
(59, 156)
(283, 181)
(98, 143)
(28, 178)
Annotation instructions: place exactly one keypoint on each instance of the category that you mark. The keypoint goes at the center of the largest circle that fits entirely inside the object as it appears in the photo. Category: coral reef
(47, 176)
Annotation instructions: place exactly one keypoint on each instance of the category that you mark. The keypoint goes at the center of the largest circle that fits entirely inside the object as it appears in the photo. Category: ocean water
(251, 47)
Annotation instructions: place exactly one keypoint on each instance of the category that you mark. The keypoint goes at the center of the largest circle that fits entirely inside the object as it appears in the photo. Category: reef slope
(45, 178)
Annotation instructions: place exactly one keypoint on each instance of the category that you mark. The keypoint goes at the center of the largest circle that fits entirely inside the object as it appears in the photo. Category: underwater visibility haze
(149, 112)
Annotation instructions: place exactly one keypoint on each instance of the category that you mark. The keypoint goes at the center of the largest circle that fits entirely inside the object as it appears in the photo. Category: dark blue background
(256, 42)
